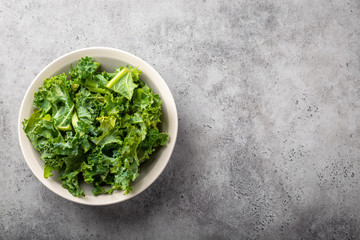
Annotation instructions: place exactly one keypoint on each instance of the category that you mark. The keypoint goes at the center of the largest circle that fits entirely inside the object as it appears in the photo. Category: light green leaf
(123, 83)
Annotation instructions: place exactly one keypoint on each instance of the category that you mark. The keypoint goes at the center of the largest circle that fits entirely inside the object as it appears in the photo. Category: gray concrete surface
(268, 95)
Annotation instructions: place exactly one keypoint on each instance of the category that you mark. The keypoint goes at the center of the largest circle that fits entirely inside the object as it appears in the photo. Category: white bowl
(109, 59)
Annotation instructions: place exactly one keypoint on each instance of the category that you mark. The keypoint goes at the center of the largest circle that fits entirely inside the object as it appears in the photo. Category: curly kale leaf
(85, 69)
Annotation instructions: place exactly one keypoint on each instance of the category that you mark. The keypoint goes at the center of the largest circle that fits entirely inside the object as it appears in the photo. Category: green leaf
(153, 139)
(96, 84)
(70, 181)
(41, 132)
(87, 106)
(106, 123)
(123, 83)
(41, 102)
(85, 68)
(57, 95)
(48, 171)
(114, 105)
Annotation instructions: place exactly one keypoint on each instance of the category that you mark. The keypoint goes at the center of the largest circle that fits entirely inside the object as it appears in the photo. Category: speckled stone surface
(268, 96)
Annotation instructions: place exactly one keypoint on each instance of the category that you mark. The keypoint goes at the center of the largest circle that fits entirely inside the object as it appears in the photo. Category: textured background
(268, 96)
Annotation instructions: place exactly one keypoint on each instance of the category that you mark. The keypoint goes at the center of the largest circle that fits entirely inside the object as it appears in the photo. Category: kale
(96, 127)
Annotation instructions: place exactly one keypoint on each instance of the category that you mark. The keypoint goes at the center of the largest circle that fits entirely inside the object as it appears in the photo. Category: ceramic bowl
(109, 59)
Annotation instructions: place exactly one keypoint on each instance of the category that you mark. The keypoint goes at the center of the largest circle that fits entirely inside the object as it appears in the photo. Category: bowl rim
(169, 145)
